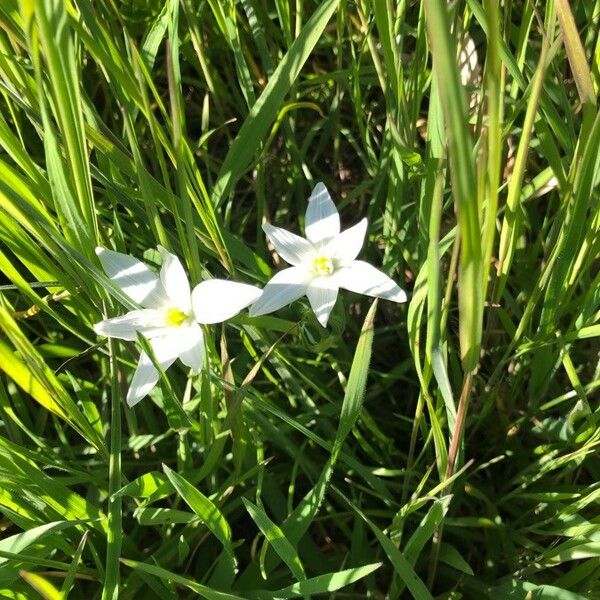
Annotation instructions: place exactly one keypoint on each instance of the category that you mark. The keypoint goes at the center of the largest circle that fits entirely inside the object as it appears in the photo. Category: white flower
(322, 263)
(169, 315)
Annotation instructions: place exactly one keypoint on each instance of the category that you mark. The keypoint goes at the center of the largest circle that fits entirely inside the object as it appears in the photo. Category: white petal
(363, 278)
(284, 287)
(322, 294)
(135, 279)
(166, 349)
(291, 247)
(216, 300)
(175, 281)
(346, 246)
(191, 351)
(147, 321)
(144, 380)
(322, 218)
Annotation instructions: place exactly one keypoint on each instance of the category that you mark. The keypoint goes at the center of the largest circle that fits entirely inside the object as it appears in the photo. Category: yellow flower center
(322, 265)
(175, 317)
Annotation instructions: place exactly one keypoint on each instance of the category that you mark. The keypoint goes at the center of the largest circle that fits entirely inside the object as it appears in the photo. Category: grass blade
(276, 538)
(202, 590)
(264, 111)
(208, 512)
(329, 582)
(460, 152)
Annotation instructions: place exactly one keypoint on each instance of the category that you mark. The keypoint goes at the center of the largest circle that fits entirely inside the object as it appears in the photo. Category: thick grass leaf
(329, 582)
(276, 538)
(512, 223)
(206, 510)
(572, 550)
(401, 565)
(450, 556)
(298, 521)
(381, 10)
(23, 376)
(426, 529)
(41, 585)
(145, 485)
(20, 541)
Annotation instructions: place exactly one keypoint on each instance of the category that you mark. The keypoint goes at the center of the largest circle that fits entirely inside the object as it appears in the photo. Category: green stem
(115, 516)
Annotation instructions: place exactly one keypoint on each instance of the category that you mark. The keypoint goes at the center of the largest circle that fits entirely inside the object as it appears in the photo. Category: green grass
(444, 448)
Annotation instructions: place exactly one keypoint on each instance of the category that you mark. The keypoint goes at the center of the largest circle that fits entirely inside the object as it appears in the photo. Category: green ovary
(322, 265)
(175, 317)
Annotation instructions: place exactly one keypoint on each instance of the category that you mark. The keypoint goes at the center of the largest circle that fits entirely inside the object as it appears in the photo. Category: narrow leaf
(209, 514)
(328, 582)
(276, 538)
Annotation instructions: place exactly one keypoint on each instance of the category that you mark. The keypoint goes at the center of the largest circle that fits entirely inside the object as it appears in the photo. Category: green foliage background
(443, 448)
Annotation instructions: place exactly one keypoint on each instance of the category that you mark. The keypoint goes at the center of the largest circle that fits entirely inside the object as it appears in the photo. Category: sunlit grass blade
(20, 541)
(276, 537)
(206, 510)
(576, 54)
(48, 389)
(41, 585)
(329, 582)
(57, 45)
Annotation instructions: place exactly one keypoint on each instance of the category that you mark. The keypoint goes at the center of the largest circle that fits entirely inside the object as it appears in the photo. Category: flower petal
(135, 279)
(175, 281)
(346, 246)
(363, 278)
(291, 247)
(322, 294)
(191, 351)
(322, 219)
(166, 349)
(147, 321)
(284, 287)
(216, 300)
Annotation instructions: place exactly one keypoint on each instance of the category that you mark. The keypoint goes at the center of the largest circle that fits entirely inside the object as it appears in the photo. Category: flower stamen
(322, 265)
(175, 317)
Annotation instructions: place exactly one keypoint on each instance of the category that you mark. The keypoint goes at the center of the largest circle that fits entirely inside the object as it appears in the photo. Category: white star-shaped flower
(322, 263)
(170, 313)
